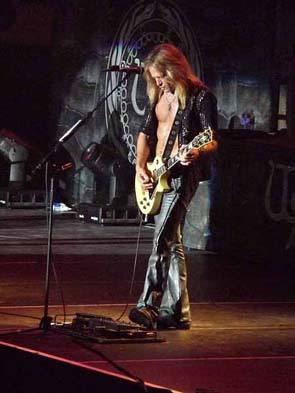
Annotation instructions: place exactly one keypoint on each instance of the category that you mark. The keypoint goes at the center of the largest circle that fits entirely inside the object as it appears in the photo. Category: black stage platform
(242, 338)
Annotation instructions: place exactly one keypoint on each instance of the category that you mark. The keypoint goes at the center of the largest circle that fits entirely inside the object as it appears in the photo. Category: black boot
(146, 316)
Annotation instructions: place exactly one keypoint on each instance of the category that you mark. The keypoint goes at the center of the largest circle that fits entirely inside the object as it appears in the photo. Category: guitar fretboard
(200, 140)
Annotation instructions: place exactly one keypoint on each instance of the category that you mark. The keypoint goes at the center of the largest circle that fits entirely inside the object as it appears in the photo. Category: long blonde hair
(173, 65)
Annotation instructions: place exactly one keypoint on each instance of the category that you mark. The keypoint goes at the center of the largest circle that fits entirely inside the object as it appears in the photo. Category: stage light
(101, 159)
(111, 170)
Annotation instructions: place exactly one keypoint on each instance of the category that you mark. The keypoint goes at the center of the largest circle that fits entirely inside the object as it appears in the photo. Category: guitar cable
(142, 220)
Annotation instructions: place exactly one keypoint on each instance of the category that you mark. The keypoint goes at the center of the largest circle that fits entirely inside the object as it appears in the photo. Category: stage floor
(242, 338)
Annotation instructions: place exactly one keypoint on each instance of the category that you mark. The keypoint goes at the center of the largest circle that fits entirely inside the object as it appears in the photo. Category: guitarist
(181, 107)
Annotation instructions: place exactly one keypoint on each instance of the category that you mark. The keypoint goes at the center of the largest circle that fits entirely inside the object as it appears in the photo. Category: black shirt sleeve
(206, 105)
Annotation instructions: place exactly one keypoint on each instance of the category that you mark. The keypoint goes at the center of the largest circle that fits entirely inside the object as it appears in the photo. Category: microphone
(134, 69)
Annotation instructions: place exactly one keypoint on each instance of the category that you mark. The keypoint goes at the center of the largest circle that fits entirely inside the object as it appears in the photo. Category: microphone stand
(46, 319)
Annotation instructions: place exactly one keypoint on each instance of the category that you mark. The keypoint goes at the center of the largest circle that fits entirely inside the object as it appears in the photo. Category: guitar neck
(200, 140)
(173, 160)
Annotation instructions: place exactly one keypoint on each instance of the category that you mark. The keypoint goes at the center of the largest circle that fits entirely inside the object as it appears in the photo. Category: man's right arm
(142, 155)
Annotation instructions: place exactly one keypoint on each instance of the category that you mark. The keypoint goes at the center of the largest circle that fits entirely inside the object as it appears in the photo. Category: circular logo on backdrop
(145, 26)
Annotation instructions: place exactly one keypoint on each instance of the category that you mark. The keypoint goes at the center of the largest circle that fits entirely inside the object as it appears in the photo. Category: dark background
(238, 39)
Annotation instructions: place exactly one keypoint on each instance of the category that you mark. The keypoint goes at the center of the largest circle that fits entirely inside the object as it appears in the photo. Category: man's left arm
(208, 119)
(206, 109)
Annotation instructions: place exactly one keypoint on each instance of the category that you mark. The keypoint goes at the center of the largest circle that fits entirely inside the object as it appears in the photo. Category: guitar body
(149, 201)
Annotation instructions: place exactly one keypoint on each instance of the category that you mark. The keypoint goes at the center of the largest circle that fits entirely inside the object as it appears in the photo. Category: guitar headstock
(203, 138)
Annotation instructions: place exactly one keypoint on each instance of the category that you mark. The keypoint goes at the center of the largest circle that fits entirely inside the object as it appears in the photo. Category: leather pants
(165, 284)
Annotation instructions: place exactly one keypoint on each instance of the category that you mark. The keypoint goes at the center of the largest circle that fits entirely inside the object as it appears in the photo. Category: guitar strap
(172, 135)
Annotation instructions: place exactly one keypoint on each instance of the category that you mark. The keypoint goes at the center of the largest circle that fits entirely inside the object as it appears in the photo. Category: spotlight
(110, 170)
(100, 159)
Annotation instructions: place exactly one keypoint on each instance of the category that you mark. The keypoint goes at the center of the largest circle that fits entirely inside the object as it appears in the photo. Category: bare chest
(165, 113)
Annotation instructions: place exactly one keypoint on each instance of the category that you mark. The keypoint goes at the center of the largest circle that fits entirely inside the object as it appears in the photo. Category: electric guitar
(149, 201)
